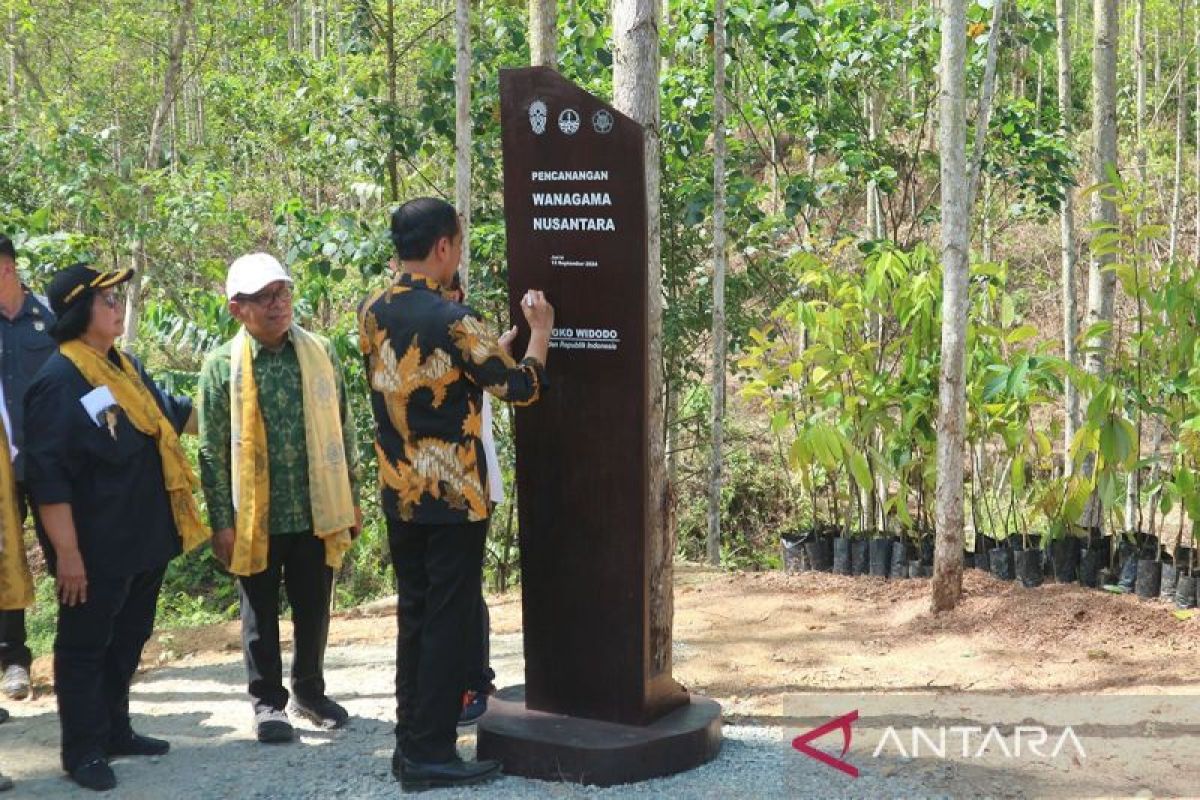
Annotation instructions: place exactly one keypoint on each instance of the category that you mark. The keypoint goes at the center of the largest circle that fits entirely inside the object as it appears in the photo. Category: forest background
(172, 136)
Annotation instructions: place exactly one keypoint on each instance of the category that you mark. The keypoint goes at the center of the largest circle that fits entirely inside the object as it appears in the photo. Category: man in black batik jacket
(429, 360)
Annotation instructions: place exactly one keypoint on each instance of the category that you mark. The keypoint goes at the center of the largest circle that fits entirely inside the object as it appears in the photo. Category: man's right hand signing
(538, 312)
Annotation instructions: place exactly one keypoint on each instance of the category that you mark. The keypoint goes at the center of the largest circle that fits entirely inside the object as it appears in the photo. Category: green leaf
(1115, 443)
(1008, 311)
(860, 470)
(1021, 334)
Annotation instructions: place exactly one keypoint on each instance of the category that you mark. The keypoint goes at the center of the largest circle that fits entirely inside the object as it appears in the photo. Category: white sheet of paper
(96, 401)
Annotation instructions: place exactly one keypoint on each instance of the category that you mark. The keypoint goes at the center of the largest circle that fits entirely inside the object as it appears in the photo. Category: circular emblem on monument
(602, 121)
(568, 121)
(537, 117)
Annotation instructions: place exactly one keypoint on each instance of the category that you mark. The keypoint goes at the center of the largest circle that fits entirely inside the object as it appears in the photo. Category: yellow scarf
(328, 476)
(16, 584)
(143, 412)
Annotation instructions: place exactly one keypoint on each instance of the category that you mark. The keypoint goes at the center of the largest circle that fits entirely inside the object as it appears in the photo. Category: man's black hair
(419, 224)
(7, 248)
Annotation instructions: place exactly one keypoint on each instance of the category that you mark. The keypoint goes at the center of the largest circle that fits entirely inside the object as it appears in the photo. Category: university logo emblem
(537, 117)
(602, 121)
(568, 121)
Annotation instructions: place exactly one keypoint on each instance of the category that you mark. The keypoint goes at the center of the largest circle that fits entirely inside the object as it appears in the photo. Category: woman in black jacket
(113, 491)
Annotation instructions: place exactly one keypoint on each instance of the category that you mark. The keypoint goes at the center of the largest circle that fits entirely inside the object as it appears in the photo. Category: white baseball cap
(250, 273)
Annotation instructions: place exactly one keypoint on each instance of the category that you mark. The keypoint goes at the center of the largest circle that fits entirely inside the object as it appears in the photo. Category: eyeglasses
(265, 298)
(112, 299)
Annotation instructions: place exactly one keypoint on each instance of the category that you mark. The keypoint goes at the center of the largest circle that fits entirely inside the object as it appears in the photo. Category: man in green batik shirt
(276, 387)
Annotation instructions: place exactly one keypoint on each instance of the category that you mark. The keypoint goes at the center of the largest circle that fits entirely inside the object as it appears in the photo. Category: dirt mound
(1004, 611)
(835, 632)
(1060, 614)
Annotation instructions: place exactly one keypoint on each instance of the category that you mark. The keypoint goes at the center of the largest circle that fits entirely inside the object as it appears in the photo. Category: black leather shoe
(138, 745)
(96, 775)
(397, 758)
(415, 776)
(3, 715)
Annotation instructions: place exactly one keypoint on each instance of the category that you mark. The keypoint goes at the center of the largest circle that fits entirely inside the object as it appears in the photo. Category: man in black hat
(25, 344)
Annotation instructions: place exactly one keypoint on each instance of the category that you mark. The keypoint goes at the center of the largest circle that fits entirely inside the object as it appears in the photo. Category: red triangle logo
(841, 723)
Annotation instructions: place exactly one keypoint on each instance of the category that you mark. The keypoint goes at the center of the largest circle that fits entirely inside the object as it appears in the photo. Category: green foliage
(848, 370)
(41, 621)
(756, 505)
(276, 142)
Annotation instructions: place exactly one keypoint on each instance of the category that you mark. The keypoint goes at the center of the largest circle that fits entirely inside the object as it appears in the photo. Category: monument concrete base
(555, 747)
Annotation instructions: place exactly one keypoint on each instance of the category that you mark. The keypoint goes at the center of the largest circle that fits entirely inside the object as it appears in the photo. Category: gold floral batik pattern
(429, 360)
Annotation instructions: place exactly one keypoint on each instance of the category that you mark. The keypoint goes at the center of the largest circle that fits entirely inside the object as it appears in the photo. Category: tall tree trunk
(874, 200)
(314, 30)
(1101, 282)
(392, 160)
(133, 301)
(12, 67)
(1070, 311)
(543, 33)
(1041, 81)
(1139, 66)
(1181, 88)
(1180, 124)
(1139, 71)
(718, 313)
(956, 239)
(1157, 62)
(636, 94)
(983, 114)
(462, 136)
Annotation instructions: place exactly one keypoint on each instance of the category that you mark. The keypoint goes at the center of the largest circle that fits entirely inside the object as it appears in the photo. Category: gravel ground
(200, 707)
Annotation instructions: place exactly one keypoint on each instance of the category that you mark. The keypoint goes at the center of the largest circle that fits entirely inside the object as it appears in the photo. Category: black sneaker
(397, 760)
(3, 715)
(273, 727)
(138, 745)
(474, 706)
(415, 776)
(323, 712)
(96, 775)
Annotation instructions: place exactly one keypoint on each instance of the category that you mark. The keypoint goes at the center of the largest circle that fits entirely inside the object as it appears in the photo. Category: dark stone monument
(599, 704)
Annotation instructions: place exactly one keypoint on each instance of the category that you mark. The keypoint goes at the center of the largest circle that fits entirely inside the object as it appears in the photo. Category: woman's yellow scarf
(16, 584)
(143, 412)
(328, 475)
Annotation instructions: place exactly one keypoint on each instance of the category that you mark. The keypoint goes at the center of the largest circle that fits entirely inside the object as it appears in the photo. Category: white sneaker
(16, 682)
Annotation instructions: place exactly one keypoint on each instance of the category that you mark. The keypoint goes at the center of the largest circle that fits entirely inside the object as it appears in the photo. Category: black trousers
(479, 656)
(96, 652)
(438, 570)
(298, 561)
(13, 647)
